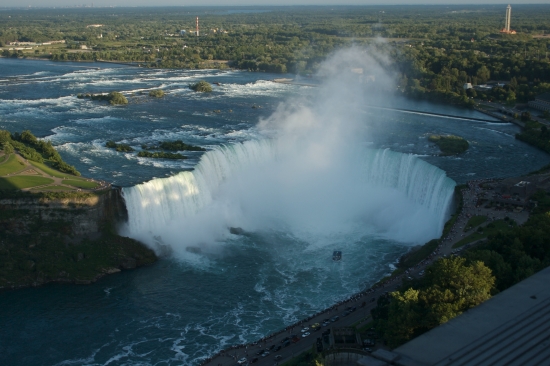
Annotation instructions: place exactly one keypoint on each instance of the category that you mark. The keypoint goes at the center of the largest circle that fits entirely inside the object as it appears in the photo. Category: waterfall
(252, 183)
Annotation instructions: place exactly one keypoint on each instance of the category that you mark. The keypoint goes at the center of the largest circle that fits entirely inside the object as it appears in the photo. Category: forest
(435, 49)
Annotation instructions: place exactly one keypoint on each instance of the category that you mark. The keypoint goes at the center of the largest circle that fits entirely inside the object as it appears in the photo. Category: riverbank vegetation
(535, 134)
(509, 255)
(450, 144)
(450, 287)
(435, 49)
(35, 150)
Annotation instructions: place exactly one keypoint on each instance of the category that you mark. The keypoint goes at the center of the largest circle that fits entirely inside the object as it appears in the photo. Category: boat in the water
(337, 255)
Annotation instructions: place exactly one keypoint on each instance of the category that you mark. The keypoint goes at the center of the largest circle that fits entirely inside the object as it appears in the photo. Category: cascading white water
(249, 185)
(311, 179)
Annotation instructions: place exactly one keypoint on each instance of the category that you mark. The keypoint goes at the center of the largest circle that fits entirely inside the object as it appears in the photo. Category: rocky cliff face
(65, 238)
(84, 215)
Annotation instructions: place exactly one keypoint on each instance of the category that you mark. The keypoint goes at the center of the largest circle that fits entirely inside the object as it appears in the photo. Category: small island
(114, 98)
(119, 147)
(157, 93)
(450, 144)
(179, 145)
(161, 155)
(201, 86)
(176, 145)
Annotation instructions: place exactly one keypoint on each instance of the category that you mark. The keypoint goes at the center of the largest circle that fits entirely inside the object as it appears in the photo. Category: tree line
(436, 49)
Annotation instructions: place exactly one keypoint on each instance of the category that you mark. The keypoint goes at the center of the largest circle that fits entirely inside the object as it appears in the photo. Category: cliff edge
(65, 237)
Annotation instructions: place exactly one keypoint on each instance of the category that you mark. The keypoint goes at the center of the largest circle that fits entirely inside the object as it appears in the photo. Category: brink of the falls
(257, 186)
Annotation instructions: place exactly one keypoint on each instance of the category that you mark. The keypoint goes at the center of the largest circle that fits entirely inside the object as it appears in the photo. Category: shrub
(158, 93)
(201, 86)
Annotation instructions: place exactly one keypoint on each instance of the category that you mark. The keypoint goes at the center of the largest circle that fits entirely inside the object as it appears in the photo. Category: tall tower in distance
(506, 28)
(197, 26)
(508, 18)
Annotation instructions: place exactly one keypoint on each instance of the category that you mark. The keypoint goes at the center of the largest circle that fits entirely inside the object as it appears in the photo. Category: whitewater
(305, 172)
(308, 175)
(393, 195)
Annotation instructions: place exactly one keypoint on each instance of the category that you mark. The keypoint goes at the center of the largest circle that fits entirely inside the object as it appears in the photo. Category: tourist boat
(337, 255)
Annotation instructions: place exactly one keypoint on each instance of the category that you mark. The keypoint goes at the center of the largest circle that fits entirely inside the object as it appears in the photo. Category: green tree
(449, 288)
(8, 148)
(483, 74)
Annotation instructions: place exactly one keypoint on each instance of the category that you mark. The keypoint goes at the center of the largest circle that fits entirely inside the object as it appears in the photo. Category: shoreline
(365, 300)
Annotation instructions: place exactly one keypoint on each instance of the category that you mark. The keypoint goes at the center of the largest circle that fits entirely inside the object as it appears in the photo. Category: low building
(467, 86)
(541, 102)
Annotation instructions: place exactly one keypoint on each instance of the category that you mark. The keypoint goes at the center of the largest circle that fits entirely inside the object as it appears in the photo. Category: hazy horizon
(147, 3)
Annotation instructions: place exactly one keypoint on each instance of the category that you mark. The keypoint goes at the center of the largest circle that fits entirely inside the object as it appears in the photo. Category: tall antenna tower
(198, 26)
(506, 28)
(508, 18)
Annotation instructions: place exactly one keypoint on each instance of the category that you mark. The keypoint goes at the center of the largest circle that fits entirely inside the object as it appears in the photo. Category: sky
(125, 3)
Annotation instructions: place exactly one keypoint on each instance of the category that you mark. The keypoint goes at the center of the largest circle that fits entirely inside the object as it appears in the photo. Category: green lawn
(2, 158)
(499, 225)
(80, 183)
(474, 222)
(51, 171)
(12, 165)
(54, 188)
(23, 181)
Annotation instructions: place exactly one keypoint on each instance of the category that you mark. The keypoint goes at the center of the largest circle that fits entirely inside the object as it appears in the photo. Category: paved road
(470, 196)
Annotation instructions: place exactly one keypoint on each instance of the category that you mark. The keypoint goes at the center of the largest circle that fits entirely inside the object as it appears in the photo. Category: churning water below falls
(298, 189)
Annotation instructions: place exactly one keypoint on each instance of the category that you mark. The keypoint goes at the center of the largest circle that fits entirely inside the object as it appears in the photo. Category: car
(242, 360)
(315, 326)
(306, 334)
(260, 352)
(278, 357)
(278, 348)
(304, 329)
(334, 318)
(265, 354)
(367, 349)
(254, 360)
(286, 339)
(272, 346)
(286, 344)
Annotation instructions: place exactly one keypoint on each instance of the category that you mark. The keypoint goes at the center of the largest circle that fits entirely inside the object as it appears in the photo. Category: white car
(242, 360)
(305, 334)
(305, 330)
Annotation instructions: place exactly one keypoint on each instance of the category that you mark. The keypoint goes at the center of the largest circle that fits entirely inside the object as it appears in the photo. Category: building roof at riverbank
(509, 329)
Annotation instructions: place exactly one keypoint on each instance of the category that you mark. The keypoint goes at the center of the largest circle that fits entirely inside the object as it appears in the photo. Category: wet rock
(236, 231)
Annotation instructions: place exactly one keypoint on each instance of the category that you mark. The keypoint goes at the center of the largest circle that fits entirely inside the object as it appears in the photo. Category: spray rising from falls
(310, 177)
